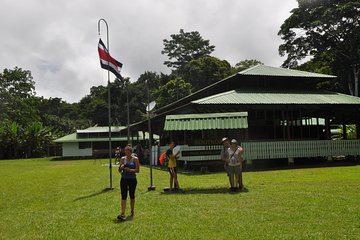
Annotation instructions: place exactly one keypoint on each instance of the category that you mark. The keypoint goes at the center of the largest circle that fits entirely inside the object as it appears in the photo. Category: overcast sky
(57, 40)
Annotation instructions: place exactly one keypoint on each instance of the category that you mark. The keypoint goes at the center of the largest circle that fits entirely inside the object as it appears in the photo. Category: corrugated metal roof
(73, 138)
(101, 129)
(267, 97)
(231, 120)
(263, 70)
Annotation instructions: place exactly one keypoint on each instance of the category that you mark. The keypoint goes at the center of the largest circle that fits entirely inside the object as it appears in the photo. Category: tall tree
(204, 71)
(325, 29)
(323, 67)
(94, 106)
(17, 92)
(172, 91)
(184, 47)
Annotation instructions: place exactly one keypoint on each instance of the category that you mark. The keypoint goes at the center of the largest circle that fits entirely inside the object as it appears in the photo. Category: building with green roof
(275, 113)
(94, 141)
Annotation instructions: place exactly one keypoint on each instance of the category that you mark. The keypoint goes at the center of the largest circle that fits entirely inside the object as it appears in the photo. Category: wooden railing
(276, 149)
(298, 149)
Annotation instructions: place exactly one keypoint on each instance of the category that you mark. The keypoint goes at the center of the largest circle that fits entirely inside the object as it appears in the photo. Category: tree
(94, 106)
(245, 64)
(172, 91)
(138, 94)
(10, 139)
(204, 71)
(36, 139)
(184, 47)
(327, 30)
(323, 67)
(17, 92)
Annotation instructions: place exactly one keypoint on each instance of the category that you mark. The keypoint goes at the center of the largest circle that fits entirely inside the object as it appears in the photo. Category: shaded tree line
(28, 123)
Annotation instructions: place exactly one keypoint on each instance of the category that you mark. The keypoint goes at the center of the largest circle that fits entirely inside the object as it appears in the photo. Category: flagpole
(109, 98)
(151, 187)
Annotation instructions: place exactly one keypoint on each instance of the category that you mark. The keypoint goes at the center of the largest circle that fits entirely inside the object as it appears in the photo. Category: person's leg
(132, 188)
(124, 189)
(236, 181)
(238, 177)
(132, 205)
(240, 180)
(232, 182)
(171, 171)
(123, 207)
(228, 174)
(232, 176)
(176, 182)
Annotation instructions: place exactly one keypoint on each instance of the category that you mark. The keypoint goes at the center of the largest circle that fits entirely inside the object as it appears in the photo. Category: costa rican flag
(107, 62)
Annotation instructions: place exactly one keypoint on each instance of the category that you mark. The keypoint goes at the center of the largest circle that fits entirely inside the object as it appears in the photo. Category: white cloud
(57, 40)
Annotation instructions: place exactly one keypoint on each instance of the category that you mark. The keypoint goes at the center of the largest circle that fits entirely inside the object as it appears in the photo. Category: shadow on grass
(105, 190)
(183, 171)
(223, 190)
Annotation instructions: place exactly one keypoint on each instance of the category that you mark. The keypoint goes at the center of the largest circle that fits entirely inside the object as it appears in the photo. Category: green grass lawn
(43, 199)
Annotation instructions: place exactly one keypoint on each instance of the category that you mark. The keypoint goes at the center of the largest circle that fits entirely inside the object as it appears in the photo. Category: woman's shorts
(234, 169)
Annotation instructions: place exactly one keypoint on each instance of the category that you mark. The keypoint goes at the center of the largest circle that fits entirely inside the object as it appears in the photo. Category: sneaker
(132, 214)
(121, 217)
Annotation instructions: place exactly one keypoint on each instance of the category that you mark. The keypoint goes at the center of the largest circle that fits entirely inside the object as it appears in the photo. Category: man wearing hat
(235, 164)
(225, 155)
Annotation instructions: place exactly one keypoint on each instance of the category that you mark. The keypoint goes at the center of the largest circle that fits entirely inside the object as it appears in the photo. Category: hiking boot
(121, 217)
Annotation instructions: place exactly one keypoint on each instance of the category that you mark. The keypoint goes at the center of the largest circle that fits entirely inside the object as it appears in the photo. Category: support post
(151, 187)
(327, 127)
(109, 98)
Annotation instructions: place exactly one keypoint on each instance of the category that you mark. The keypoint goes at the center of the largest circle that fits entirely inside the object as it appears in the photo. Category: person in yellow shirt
(171, 158)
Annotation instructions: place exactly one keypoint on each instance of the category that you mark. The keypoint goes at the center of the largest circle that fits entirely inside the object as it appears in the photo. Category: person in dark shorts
(129, 166)
(171, 158)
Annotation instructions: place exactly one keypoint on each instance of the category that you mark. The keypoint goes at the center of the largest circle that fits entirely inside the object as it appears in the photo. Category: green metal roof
(268, 97)
(263, 70)
(101, 129)
(73, 138)
(230, 120)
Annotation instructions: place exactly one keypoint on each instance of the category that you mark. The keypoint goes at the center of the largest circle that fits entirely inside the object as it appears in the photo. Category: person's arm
(137, 167)
(121, 167)
(240, 151)
(168, 154)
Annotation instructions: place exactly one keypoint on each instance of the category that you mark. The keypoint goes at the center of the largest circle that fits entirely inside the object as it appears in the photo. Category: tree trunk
(351, 89)
(356, 80)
